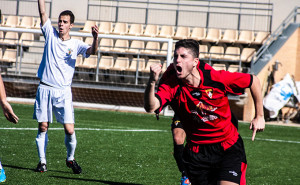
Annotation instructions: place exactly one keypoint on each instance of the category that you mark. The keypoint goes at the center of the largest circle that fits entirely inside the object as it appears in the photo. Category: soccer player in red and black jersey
(198, 95)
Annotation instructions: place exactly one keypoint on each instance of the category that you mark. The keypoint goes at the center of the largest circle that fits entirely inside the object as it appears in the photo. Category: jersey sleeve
(48, 30)
(82, 48)
(235, 82)
(166, 92)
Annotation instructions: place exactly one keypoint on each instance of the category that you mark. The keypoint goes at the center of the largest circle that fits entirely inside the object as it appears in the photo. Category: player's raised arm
(258, 123)
(151, 103)
(7, 110)
(93, 49)
(42, 11)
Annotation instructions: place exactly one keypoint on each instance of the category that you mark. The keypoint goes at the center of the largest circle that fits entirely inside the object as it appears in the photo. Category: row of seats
(8, 55)
(13, 38)
(212, 35)
(21, 22)
(117, 64)
(230, 54)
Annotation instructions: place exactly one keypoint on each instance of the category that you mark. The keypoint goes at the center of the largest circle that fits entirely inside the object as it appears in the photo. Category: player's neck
(193, 78)
(65, 37)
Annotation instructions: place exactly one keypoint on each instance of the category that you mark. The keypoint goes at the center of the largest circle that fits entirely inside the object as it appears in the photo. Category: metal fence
(203, 13)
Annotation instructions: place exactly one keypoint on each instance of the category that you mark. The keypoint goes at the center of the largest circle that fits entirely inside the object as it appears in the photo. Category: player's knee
(43, 127)
(69, 131)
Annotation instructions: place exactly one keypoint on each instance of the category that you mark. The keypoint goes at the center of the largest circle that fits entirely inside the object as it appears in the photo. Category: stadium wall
(288, 56)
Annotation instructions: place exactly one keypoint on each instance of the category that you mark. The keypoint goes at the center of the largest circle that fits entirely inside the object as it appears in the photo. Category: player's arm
(42, 11)
(151, 103)
(93, 49)
(258, 122)
(7, 110)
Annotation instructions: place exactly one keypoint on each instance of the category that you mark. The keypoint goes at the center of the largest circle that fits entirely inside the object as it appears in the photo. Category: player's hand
(155, 70)
(9, 113)
(257, 125)
(95, 31)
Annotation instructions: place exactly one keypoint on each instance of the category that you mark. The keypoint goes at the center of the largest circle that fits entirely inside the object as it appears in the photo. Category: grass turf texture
(122, 157)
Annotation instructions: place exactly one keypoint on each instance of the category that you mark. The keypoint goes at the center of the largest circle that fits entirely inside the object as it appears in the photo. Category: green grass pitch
(131, 149)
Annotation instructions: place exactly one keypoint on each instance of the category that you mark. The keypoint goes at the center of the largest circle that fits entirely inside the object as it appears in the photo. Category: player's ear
(196, 60)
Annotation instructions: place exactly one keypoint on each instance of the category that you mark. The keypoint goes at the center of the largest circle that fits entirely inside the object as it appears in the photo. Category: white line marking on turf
(274, 140)
(142, 130)
(93, 129)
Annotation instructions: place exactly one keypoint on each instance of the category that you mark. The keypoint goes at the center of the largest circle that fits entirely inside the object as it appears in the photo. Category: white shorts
(50, 99)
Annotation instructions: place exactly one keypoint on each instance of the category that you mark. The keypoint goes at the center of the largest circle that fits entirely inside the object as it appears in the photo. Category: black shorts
(212, 164)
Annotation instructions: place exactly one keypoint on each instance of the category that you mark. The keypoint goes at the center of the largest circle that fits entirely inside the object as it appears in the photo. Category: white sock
(70, 142)
(41, 143)
(0, 166)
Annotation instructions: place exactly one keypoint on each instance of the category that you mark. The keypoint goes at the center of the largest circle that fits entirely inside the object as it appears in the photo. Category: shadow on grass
(92, 180)
(32, 169)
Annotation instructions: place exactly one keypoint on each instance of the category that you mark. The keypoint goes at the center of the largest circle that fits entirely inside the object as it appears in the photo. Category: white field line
(144, 130)
(93, 129)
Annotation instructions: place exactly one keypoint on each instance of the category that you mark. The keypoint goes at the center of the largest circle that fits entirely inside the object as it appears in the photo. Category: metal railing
(291, 18)
(203, 13)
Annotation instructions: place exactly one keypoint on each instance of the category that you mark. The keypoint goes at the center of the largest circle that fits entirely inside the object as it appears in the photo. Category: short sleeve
(236, 83)
(82, 48)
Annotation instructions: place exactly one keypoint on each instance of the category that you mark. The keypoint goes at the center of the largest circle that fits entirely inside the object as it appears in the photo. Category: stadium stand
(203, 51)
(133, 65)
(79, 61)
(213, 36)
(10, 38)
(245, 37)
(198, 33)
(152, 48)
(9, 57)
(120, 28)
(105, 27)
(229, 37)
(234, 68)
(106, 62)
(247, 54)
(12, 21)
(26, 22)
(37, 24)
(121, 64)
(26, 39)
(216, 52)
(136, 30)
(106, 45)
(89, 63)
(260, 38)
(182, 33)
(151, 31)
(136, 46)
(121, 46)
(232, 53)
(219, 66)
(1, 36)
(166, 31)
(88, 25)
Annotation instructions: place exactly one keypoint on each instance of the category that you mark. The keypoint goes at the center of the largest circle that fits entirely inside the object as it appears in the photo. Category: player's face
(184, 62)
(64, 24)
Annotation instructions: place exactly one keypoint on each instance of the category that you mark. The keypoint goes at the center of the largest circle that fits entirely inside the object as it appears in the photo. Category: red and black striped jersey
(204, 111)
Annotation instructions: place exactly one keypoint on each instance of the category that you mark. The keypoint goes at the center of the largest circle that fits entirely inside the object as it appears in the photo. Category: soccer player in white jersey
(10, 116)
(54, 91)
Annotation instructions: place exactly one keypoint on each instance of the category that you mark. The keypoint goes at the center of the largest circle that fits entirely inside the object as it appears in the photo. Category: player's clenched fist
(155, 70)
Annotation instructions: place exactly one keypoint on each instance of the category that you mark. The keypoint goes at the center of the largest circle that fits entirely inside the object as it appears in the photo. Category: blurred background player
(178, 140)
(198, 95)
(9, 115)
(54, 91)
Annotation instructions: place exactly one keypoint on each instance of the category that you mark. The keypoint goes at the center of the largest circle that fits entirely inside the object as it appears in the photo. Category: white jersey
(59, 58)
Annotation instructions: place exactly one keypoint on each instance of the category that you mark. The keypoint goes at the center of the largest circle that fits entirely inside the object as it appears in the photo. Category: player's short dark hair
(191, 44)
(69, 13)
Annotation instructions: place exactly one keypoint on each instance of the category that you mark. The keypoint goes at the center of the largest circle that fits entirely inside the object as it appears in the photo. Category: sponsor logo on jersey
(196, 94)
(70, 51)
(209, 92)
